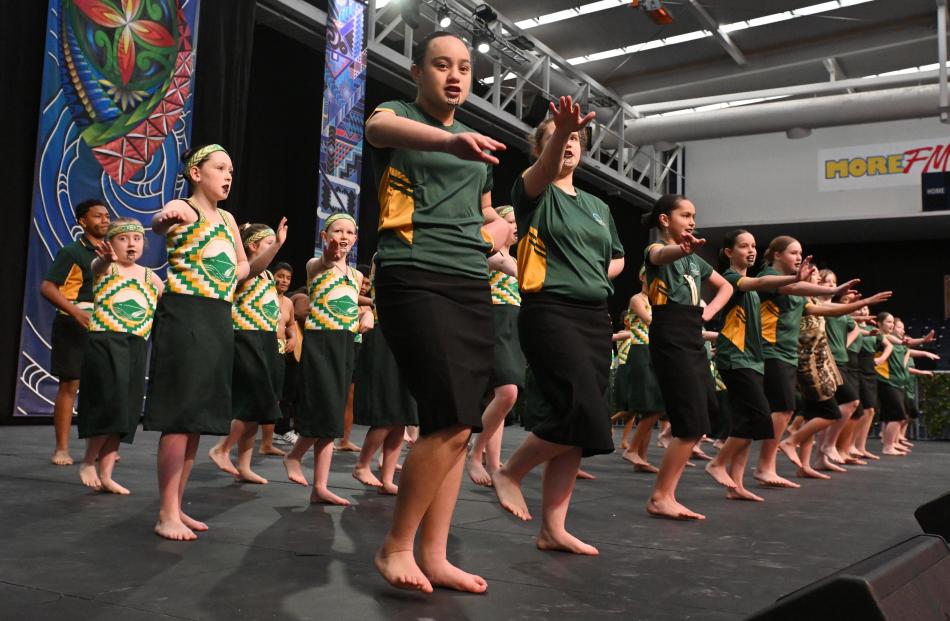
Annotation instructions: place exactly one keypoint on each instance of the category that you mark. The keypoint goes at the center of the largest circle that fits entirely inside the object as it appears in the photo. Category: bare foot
(905, 442)
(89, 476)
(388, 489)
(295, 470)
(832, 454)
(639, 465)
(249, 476)
(399, 569)
(718, 444)
(583, 474)
(174, 530)
(477, 472)
(855, 461)
(741, 493)
(662, 442)
(807, 472)
(564, 542)
(346, 447)
(669, 508)
(509, 495)
(222, 460)
(771, 479)
(61, 458)
(192, 523)
(825, 463)
(868, 455)
(690, 464)
(893, 451)
(366, 477)
(790, 451)
(624, 444)
(108, 485)
(271, 450)
(444, 574)
(720, 475)
(325, 496)
(699, 454)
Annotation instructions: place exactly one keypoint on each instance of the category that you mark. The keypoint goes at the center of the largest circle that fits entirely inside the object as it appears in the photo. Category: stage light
(485, 13)
(482, 41)
(445, 17)
(654, 9)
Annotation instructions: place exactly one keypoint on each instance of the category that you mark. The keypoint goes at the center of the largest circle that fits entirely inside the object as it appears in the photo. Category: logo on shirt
(598, 219)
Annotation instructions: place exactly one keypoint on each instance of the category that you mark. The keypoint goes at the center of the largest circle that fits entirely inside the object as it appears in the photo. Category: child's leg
(245, 452)
(663, 501)
(63, 420)
(493, 450)
(629, 419)
(722, 464)
(424, 473)
(829, 445)
(107, 458)
(507, 479)
(765, 472)
(344, 443)
(87, 469)
(889, 437)
(557, 486)
(191, 450)
(172, 448)
(392, 447)
(322, 456)
(493, 420)
(293, 459)
(267, 441)
(641, 439)
(862, 433)
(434, 538)
(666, 435)
(374, 439)
(737, 473)
(220, 453)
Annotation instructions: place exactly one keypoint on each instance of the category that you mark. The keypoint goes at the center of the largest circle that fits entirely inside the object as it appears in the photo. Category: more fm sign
(882, 165)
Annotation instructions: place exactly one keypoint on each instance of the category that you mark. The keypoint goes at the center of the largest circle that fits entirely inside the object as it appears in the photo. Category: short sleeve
(646, 254)
(519, 200)
(62, 264)
(851, 323)
(705, 269)
(616, 248)
(733, 277)
(489, 180)
(398, 107)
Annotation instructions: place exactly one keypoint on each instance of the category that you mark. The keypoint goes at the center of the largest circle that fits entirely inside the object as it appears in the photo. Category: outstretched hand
(105, 252)
(567, 115)
(690, 244)
(877, 298)
(471, 146)
(805, 270)
(282, 231)
(173, 214)
(846, 286)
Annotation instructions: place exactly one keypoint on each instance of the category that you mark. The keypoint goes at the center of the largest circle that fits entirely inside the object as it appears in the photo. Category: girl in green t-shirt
(910, 385)
(675, 277)
(568, 255)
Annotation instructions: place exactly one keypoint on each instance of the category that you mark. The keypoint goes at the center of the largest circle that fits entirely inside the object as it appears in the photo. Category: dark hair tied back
(664, 205)
(728, 241)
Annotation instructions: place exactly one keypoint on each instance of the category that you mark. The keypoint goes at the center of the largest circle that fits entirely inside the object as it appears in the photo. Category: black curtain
(22, 39)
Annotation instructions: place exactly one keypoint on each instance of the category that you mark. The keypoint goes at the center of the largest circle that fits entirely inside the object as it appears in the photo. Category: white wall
(770, 179)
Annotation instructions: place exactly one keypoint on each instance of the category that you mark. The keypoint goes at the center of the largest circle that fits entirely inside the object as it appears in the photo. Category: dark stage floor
(69, 553)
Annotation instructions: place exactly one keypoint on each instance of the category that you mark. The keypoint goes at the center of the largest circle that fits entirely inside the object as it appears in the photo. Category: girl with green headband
(113, 372)
(258, 364)
(331, 320)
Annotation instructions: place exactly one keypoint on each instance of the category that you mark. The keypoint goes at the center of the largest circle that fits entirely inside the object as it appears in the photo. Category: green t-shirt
(739, 345)
(567, 243)
(837, 329)
(430, 205)
(872, 344)
(71, 272)
(781, 322)
(893, 371)
(911, 386)
(679, 282)
(855, 345)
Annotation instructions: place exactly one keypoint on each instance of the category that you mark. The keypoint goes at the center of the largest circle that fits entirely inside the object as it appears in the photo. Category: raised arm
(661, 254)
(920, 353)
(567, 120)
(770, 283)
(266, 257)
(807, 289)
(386, 130)
(105, 256)
(173, 213)
(832, 309)
(923, 340)
(723, 293)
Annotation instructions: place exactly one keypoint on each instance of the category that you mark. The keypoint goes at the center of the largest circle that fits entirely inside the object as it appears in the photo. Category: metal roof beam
(721, 37)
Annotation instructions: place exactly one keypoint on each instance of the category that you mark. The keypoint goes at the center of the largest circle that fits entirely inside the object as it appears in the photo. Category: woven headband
(505, 210)
(335, 217)
(125, 227)
(258, 236)
(202, 153)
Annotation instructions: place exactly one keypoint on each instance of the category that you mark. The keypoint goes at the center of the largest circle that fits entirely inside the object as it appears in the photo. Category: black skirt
(826, 409)
(257, 378)
(68, 346)
(748, 406)
(189, 384)
(326, 368)
(868, 381)
(682, 368)
(381, 398)
(848, 390)
(567, 343)
(508, 363)
(439, 328)
(781, 381)
(891, 403)
(638, 381)
(112, 385)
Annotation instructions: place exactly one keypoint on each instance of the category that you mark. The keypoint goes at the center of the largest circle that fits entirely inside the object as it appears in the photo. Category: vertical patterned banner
(115, 116)
(344, 92)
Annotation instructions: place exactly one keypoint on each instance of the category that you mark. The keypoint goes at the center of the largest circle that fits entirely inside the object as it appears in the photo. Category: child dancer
(257, 374)
(508, 363)
(286, 344)
(113, 373)
(569, 253)
(189, 389)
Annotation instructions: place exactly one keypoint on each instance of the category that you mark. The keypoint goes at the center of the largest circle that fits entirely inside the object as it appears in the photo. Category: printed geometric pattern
(333, 302)
(504, 289)
(255, 305)
(191, 272)
(112, 314)
(639, 331)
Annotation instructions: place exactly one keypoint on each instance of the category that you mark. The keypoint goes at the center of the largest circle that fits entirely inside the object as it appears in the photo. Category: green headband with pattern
(125, 227)
(505, 210)
(202, 153)
(335, 217)
(258, 236)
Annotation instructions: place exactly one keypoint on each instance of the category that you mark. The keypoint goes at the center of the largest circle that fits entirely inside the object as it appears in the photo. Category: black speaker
(934, 516)
(909, 581)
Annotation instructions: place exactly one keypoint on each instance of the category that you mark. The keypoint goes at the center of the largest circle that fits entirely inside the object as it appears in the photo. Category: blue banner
(344, 94)
(115, 116)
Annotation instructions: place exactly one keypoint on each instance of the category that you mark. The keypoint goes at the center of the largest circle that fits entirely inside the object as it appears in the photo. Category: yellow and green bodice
(256, 305)
(123, 304)
(334, 303)
(202, 259)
